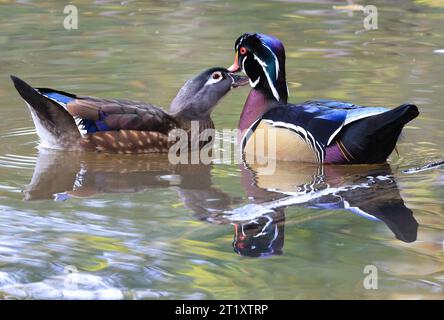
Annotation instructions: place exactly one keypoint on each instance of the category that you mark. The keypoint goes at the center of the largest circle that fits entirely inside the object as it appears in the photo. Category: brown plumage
(136, 127)
(126, 141)
(68, 121)
(123, 114)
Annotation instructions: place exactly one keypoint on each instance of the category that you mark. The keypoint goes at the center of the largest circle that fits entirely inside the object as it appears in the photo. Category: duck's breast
(273, 142)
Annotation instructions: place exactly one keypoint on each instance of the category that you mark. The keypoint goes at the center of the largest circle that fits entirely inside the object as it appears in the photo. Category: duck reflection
(64, 175)
(369, 191)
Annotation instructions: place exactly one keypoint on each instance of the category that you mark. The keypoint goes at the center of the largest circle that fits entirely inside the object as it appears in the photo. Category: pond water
(135, 227)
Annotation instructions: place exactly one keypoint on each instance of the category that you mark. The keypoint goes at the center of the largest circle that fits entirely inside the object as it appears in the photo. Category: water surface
(137, 227)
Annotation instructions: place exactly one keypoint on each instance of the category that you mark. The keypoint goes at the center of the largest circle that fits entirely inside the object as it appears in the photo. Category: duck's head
(260, 237)
(262, 58)
(198, 96)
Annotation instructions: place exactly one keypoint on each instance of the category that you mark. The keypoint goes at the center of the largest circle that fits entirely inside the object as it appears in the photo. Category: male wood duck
(322, 131)
(68, 121)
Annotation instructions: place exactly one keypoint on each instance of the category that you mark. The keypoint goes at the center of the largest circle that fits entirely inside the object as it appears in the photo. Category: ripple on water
(65, 286)
(20, 132)
(81, 286)
(17, 161)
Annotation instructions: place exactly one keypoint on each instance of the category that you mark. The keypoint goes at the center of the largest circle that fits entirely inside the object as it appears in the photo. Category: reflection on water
(369, 191)
(139, 228)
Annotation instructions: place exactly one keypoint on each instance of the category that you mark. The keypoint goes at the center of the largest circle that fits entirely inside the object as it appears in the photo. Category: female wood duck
(67, 121)
(323, 131)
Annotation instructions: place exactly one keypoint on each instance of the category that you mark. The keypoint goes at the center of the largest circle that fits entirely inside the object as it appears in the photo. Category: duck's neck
(255, 106)
(202, 123)
(200, 131)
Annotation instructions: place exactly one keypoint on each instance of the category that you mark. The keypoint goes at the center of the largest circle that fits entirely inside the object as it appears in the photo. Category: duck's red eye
(216, 76)
(242, 50)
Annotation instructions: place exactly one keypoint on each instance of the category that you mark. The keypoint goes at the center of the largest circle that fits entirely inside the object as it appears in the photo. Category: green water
(137, 227)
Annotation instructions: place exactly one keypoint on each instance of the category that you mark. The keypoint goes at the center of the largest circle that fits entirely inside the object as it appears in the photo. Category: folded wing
(96, 114)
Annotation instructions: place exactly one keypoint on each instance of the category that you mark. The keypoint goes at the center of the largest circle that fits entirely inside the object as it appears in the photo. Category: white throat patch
(253, 84)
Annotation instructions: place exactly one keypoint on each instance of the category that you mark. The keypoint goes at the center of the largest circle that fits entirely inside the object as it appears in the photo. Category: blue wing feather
(58, 97)
(63, 98)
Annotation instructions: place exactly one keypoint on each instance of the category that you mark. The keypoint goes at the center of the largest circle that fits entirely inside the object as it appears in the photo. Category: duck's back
(98, 114)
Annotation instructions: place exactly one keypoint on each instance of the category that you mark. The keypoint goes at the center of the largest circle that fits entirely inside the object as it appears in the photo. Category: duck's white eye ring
(214, 78)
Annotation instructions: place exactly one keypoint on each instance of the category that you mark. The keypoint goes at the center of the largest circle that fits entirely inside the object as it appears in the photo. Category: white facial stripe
(276, 61)
(212, 80)
(264, 67)
(243, 63)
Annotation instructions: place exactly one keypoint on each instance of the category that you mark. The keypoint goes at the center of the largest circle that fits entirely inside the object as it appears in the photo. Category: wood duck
(318, 131)
(68, 121)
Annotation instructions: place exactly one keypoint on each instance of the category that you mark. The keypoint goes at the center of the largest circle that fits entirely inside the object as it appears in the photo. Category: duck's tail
(55, 126)
(372, 139)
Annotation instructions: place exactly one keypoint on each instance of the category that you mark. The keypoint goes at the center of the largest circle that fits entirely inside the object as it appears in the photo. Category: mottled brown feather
(123, 114)
(126, 141)
(136, 127)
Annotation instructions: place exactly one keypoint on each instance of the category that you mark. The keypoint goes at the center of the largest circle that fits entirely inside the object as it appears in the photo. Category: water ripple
(17, 161)
(20, 132)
